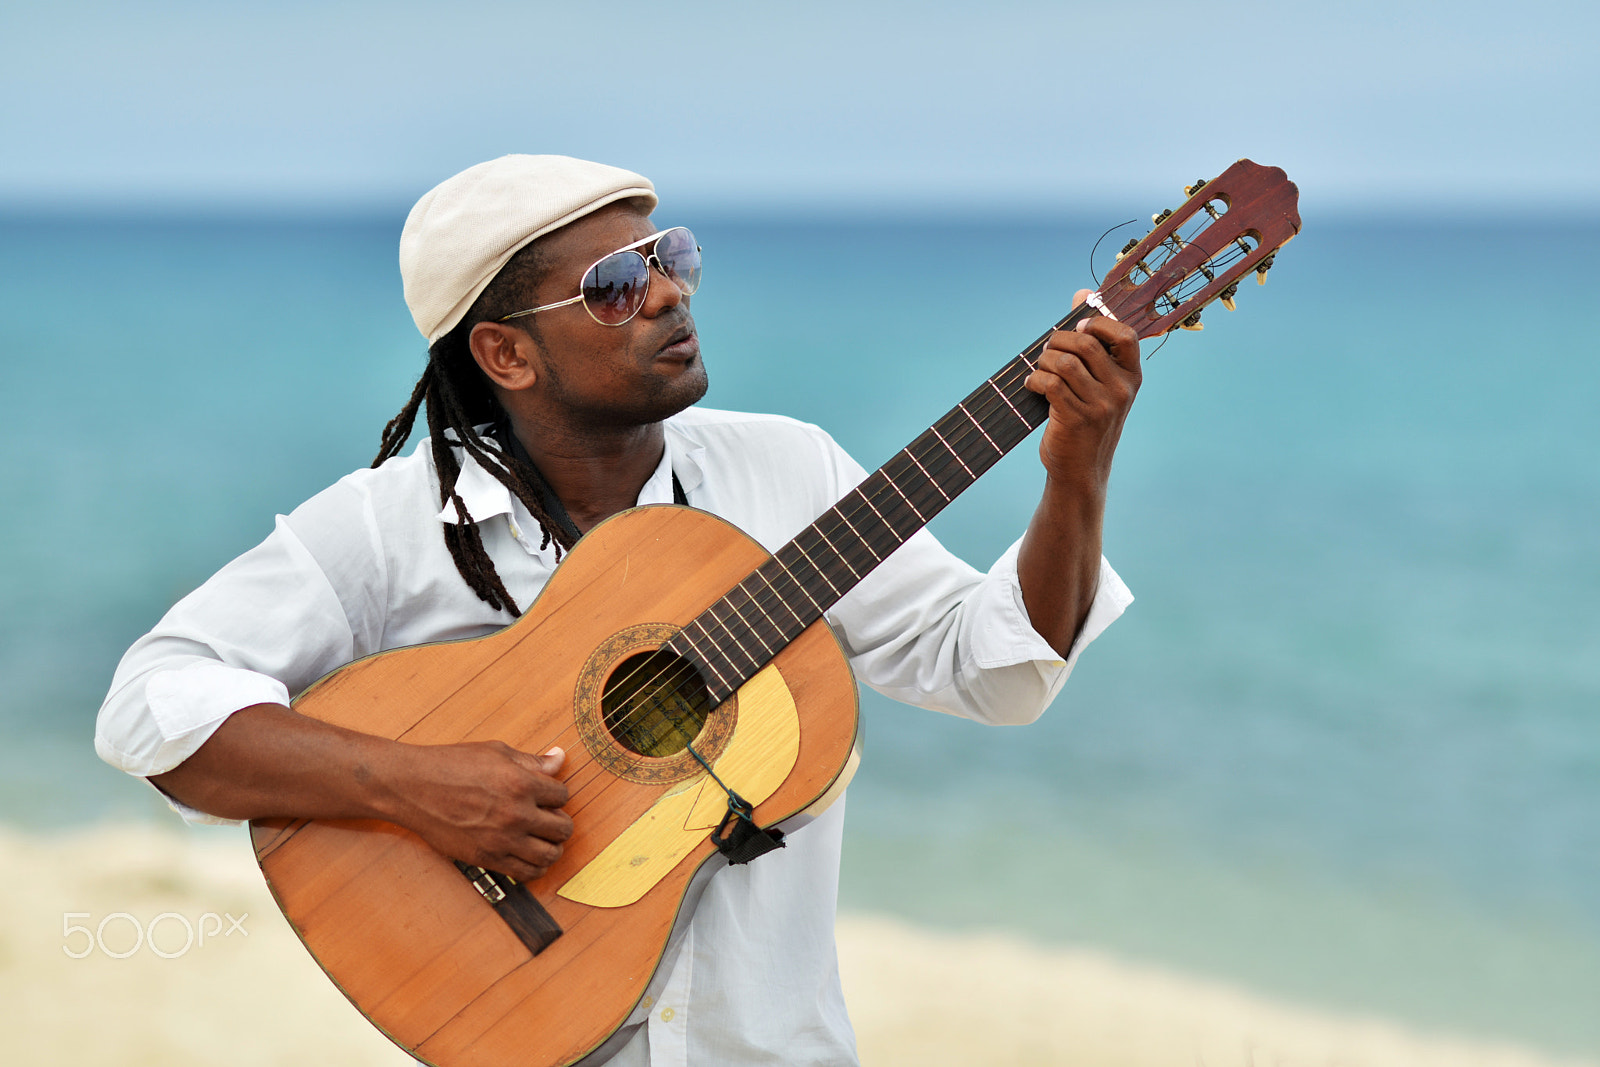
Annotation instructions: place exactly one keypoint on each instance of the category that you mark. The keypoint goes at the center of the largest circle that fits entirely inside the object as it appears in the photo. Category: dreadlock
(459, 398)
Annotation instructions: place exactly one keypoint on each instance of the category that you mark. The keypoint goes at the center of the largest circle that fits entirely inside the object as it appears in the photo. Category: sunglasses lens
(614, 288)
(680, 257)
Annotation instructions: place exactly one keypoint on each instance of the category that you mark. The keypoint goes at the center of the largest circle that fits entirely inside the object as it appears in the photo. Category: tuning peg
(1262, 268)
(1227, 296)
(1190, 190)
(1159, 219)
(1192, 322)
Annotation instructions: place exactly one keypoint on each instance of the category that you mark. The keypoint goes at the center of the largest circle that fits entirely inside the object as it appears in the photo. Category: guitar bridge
(534, 926)
(485, 883)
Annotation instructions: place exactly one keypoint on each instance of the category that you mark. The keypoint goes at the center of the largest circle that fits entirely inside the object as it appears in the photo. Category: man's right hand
(481, 802)
(487, 804)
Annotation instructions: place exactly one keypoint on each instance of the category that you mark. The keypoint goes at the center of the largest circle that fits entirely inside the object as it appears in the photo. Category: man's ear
(505, 353)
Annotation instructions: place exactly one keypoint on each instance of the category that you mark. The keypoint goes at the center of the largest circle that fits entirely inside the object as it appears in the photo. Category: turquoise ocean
(1345, 746)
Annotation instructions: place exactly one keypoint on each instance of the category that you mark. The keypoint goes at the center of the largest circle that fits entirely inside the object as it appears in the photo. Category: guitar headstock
(1229, 226)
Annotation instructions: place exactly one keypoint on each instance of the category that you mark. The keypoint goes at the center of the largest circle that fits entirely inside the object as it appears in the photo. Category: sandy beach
(209, 973)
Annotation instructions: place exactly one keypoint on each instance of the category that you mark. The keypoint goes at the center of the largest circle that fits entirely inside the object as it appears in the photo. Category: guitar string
(966, 437)
(840, 513)
(683, 668)
(950, 455)
(1011, 376)
(1217, 263)
(675, 676)
(659, 680)
(965, 433)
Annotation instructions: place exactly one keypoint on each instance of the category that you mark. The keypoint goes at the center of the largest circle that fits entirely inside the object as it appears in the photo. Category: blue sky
(754, 105)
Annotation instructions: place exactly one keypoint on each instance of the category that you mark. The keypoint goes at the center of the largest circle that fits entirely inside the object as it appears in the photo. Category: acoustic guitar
(705, 708)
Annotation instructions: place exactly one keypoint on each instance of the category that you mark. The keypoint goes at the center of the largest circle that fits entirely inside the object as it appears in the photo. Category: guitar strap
(738, 837)
(551, 503)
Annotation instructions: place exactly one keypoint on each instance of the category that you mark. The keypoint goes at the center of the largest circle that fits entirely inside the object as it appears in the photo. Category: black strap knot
(738, 837)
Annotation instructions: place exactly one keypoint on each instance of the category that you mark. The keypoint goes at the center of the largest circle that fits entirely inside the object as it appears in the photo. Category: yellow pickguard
(759, 756)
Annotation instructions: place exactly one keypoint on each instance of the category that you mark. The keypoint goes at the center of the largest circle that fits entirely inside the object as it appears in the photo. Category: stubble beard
(656, 400)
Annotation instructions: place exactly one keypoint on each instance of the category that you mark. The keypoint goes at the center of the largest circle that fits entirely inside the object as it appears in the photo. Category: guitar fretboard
(738, 635)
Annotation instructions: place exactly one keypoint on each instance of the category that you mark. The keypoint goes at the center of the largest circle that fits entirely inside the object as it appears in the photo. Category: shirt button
(649, 1001)
(667, 1014)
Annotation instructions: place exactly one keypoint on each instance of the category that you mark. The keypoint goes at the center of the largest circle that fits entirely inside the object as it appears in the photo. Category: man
(563, 366)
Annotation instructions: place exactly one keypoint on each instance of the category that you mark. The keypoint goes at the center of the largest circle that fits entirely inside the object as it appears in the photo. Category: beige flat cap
(466, 228)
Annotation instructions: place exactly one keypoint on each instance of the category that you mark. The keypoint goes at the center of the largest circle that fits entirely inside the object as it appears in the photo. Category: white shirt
(362, 567)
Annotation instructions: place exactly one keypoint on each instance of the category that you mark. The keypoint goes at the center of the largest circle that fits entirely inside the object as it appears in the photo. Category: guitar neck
(738, 635)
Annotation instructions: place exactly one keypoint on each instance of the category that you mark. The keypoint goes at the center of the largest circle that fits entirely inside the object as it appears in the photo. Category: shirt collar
(479, 490)
(688, 458)
(485, 496)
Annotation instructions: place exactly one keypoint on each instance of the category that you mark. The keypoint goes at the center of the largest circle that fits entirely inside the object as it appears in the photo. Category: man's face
(607, 377)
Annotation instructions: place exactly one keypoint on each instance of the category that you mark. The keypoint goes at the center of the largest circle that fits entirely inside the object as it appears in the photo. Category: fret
(771, 647)
(908, 474)
(886, 524)
(847, 541)
(839, 511)
(821, 573)
(779, 561)
(912, 456)
(751, 629)
(737, 638)
(712, 611)
(703, 632)
(930, 450)
(896, 488)
(752, 598)
(705, 659)
(773, 572)
(998, 451)
(780, 597)
(1009, 404)
(935, 431)
(835, 551)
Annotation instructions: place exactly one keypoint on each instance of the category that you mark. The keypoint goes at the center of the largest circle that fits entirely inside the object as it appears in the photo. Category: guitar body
(466, 971)
(410, 939)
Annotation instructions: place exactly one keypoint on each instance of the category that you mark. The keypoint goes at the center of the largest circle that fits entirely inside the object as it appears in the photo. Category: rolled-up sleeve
(265, 626)
(925, 628)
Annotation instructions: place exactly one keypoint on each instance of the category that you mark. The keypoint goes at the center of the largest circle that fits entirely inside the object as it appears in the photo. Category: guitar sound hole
(655, 703)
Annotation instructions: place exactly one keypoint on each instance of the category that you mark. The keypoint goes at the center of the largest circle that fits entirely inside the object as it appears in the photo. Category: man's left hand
(1090, 376)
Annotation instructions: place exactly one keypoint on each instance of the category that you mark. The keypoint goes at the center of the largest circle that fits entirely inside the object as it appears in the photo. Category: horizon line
(861, 210)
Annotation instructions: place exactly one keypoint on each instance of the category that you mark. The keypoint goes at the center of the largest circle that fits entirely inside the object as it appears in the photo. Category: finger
(547, 764)
(545, 788)
(549, 793)
(1080, 297)
(1087, 371)
(1062, 377)
(534, 786)
(1084, 347)
(1117, 338)
(549, 824)
(520, 868)
(534, 854)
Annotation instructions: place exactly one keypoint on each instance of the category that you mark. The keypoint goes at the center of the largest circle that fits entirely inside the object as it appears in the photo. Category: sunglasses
(615, 286)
